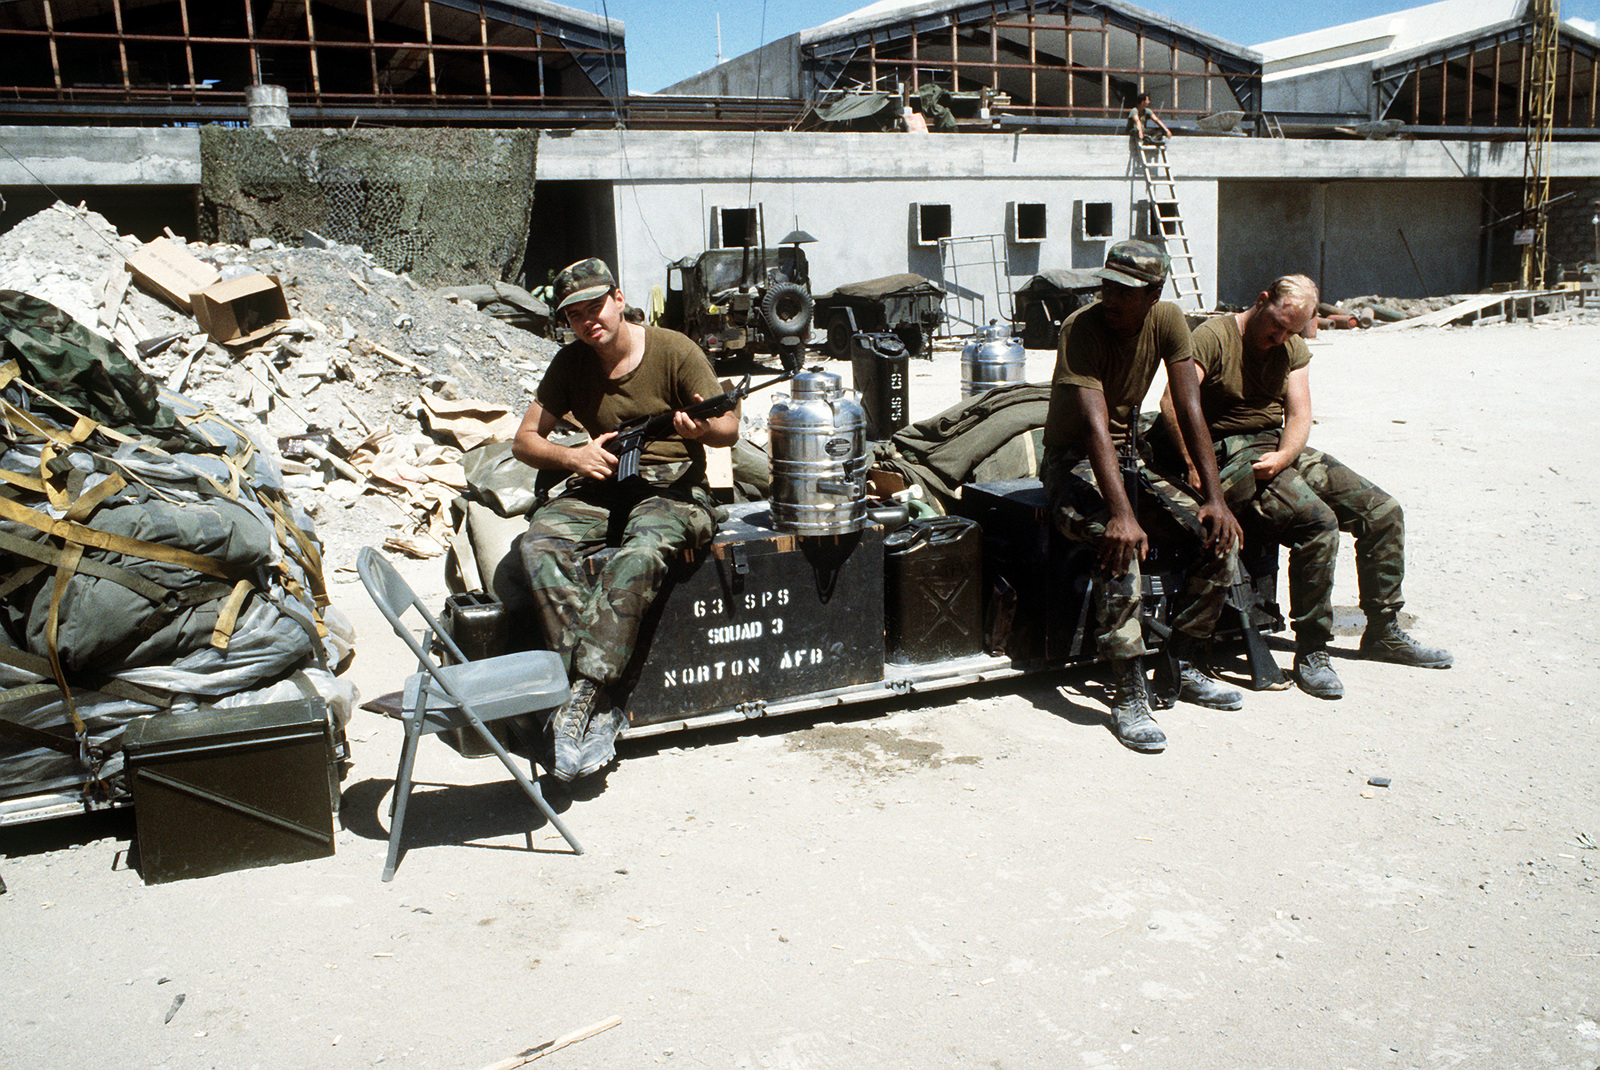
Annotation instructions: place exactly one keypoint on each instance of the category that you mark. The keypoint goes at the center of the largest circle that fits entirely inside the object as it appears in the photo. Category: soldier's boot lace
(1385, 640)
(1130, 709)
(568, 725)
(1314, 673)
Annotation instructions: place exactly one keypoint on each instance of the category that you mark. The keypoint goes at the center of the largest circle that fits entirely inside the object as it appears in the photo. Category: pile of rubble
(370, 391)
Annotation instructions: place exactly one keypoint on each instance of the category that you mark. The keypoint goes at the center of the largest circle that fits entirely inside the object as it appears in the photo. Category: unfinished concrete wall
(1396, 238)
(446, 206)
(1574, 233)
(860, 195)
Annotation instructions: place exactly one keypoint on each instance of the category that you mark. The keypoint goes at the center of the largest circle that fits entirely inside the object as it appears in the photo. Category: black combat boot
(599, 747)
(1314, 673)
(1130, 709)
(1195, 686)
(1385, 640)
(568, 726)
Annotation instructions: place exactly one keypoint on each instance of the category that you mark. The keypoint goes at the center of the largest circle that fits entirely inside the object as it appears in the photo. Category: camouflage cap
(583, 281)
(1135, 263)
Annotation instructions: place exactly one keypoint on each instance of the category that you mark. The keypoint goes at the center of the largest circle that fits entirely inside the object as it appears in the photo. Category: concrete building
(1037, 173)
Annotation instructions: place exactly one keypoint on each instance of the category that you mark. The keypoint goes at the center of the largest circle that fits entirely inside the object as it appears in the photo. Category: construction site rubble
(367, 390)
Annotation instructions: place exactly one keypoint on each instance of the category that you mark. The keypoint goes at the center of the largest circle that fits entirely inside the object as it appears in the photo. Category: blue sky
(668, 40)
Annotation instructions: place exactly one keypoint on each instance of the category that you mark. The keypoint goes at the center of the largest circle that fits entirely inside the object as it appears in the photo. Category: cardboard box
(170, 271)
(236, 312)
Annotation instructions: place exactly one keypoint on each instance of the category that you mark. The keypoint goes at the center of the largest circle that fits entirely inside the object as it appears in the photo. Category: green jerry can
(216, 790)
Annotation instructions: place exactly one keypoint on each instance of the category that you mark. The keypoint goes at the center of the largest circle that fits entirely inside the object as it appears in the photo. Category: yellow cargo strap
(81, 536)
(228, 615)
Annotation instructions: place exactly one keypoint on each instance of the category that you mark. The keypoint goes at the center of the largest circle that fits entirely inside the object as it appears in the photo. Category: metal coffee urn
(818, 438)
(993, 358)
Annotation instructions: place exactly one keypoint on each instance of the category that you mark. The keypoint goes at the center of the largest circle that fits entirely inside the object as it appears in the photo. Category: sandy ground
(984, 878)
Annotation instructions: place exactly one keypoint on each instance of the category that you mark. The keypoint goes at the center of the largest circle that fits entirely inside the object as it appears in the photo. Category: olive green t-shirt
(672, 370)
(1090, 355)
(1239, 395)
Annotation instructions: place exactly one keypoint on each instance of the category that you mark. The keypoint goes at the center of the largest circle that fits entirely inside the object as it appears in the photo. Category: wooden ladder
(1165, 213)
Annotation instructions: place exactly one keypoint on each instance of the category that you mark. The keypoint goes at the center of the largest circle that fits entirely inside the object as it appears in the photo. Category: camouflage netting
(446, 206)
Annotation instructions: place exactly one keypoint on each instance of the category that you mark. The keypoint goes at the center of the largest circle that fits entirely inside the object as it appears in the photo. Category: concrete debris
(391, 380)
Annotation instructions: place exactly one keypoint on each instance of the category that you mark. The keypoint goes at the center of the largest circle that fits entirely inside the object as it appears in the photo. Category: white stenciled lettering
(669, 678)
(733, 633)
(799, 659)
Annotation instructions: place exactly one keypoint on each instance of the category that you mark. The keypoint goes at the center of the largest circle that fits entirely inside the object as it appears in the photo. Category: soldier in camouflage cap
(616, 370)
(1108, 356)
(1255, 390)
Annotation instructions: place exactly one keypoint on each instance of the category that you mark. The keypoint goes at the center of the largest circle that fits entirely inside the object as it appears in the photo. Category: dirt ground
(977, 878)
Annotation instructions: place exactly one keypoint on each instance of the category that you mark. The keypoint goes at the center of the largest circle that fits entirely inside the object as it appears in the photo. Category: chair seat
(495, 688)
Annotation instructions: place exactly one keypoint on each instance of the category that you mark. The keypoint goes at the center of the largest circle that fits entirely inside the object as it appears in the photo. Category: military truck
(738, 302)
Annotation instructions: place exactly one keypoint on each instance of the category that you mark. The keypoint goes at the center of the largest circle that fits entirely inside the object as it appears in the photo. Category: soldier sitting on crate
(1106, 361)
(1255, 391)
(615, 371)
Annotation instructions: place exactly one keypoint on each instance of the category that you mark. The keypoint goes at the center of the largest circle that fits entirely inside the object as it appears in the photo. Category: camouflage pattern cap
(1135, 263)
(583, 281)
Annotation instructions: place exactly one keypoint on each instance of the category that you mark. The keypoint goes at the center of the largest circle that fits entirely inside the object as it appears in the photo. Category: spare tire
(787, 309)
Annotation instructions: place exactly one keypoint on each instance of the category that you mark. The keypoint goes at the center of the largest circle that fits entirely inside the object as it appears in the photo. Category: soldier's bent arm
(1296, 426)
(532, 446)
(1169, 416)
(1222, 527)
(1124, 538)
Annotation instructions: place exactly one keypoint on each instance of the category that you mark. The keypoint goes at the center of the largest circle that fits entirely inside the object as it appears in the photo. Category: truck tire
(787, 309)
(838, 344)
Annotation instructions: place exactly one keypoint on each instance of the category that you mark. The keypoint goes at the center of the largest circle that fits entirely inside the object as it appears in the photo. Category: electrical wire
(122, 255)
(615, 97)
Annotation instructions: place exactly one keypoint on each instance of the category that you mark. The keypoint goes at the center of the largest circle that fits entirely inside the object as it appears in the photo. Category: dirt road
(984, 880)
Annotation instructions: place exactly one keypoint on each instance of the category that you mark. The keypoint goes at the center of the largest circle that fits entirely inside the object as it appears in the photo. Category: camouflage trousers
(593, 623)
(1304, 508)
(1079, 513)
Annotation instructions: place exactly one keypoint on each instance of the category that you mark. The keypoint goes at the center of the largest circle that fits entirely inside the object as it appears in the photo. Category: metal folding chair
(466, 695)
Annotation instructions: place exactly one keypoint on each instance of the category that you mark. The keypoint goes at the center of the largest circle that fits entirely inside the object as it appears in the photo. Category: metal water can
(993, 358)
(879, 365)
(818, 436)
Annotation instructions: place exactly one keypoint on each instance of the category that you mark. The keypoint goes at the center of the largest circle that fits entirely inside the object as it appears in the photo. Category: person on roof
(1141, 117)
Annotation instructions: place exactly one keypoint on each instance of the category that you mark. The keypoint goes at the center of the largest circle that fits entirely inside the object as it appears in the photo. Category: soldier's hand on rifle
(1222, 527)
(591, 459)
(1123, 541)
(687, 427)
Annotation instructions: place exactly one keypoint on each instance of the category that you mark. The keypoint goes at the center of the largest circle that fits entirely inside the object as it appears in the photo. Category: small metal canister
(819, 457)
(993, 358)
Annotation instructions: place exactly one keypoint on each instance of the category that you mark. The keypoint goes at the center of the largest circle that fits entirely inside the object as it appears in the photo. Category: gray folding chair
(466, 695)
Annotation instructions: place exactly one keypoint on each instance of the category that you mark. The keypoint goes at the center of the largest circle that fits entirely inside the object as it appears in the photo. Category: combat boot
(1193, 684)
(599, 747)
(1130, 710)
(568, 726)
(1385, 640)
(1314, 673)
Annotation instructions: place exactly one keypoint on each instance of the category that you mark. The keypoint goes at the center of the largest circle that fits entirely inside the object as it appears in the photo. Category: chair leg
(529, 787)
(402, 794)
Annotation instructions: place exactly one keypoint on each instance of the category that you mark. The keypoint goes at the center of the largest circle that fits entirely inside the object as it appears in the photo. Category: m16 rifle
(631, 436)
(1264, 671)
